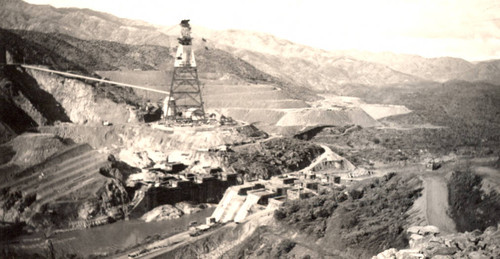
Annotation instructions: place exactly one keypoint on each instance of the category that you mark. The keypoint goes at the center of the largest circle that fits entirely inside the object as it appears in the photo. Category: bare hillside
(80, 23)
(296, 64)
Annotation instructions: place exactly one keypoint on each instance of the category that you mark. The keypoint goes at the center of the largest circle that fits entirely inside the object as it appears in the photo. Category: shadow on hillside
(43, 101)
(10, 115)
(310, 132)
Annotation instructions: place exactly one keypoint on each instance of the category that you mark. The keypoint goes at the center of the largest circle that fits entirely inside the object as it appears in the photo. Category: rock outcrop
(164, 212)
(425, 242)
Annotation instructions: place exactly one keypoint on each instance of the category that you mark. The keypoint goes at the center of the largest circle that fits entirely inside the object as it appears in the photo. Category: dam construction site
(188, 148)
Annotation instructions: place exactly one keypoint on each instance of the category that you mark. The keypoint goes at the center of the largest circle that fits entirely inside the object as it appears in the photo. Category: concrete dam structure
(239, 200)
(207, 189)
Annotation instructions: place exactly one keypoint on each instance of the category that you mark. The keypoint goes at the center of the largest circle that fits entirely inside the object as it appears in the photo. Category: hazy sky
(462, 28)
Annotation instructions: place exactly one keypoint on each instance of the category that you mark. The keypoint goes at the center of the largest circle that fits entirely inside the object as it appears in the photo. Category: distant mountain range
(294, 64)
(64, 52)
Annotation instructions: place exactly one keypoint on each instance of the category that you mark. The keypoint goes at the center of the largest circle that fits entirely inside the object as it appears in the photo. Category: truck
(196, 231)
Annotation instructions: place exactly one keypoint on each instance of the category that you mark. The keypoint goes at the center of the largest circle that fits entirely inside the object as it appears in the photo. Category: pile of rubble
(425, 242)
(164, 212)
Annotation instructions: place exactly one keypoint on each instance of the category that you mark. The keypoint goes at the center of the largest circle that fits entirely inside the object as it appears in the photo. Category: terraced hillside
(273, 110)
(64, 188)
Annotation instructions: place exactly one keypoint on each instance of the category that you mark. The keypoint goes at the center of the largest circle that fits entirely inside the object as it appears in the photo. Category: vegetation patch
(470, 207)
(273, 157)
(367, 217)
(467, 111)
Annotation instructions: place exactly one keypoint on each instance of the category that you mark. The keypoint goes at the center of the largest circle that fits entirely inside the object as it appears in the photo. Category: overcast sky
(468, 29)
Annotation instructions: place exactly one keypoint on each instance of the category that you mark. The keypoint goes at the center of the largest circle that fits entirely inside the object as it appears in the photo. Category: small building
(173, 183)
(284, 180)
(187, 176)
(310, 176)
(298, 193)
(228, 177)
(298, 184)
(275, 202)
(324, 188)
(312, 185)
(280, 190)
(261, 195)
(244, 189)
(330, 179)
(178, 183)
(179, 157)
(432, 165)
(223, 148)
(200, 179)
(177, 167)
(210, 220)
(194, 114)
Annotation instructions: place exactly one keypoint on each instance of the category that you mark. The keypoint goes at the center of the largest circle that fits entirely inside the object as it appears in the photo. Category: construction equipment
(185, 97)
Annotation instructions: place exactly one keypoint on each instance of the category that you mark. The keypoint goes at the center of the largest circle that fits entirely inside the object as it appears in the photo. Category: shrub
(284, 247)
(470, 207)
(372, 218)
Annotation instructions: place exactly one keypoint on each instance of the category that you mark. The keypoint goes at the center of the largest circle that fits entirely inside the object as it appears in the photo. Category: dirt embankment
(32, 98)
(27, 150)
(142, 137)
(21, 107)
(79, 100)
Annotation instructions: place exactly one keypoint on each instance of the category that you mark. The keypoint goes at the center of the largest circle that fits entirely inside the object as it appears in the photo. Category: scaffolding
(185, 90)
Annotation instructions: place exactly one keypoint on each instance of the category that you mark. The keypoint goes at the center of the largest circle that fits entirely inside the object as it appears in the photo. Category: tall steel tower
(185, 93)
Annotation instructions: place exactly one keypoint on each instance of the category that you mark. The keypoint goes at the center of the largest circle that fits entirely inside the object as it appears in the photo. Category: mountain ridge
(63, 52)
(307, 67)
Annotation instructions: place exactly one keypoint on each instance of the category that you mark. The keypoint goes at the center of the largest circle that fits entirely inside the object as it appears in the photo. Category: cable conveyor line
(95, 79)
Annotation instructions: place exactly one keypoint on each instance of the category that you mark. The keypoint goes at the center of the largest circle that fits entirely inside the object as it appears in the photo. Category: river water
(107, 239)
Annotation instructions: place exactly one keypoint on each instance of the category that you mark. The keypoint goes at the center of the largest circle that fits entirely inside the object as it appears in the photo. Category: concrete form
(240, 201)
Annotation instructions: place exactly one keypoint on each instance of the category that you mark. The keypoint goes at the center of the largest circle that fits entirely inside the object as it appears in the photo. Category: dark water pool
(117, 236)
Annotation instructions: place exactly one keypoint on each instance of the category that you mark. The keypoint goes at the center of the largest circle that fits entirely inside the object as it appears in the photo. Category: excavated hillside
(55, 152)
(139, 137)
(48, 181)
(53, 183)
(63, 177)
(32, 98)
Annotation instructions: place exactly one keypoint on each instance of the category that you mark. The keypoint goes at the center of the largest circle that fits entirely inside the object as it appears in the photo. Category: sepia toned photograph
(243, 129)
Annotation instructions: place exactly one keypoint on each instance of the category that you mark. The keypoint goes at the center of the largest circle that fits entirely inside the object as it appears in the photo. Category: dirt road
(161, 247)
(436, 203)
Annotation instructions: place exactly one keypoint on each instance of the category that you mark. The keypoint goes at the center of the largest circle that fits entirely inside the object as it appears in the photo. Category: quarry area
(204, 154)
